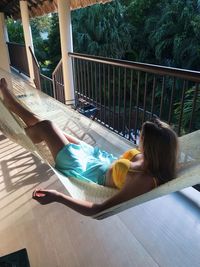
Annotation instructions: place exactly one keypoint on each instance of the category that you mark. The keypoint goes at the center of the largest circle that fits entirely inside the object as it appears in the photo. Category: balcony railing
(36, 70)
(47, 85)
(42, 82)
(128, 93)
(58, 83)
(18, 57)
(18, 60)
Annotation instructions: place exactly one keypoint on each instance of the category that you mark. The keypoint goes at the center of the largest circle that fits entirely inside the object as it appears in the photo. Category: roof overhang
(37, 8)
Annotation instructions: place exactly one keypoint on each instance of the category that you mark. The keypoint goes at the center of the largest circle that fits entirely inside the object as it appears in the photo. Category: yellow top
(122, 166)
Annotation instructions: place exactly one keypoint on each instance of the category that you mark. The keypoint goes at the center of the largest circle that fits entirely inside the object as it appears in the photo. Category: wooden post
(4, 55)
(27, 35)
(66, 46)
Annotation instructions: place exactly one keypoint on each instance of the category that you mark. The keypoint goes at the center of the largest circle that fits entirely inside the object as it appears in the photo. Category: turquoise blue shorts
(84, 162)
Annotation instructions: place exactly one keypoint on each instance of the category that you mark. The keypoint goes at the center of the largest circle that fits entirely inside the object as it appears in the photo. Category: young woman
(136, 172)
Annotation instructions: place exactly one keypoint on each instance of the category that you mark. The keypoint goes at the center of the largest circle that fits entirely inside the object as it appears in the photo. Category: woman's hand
(46, 196)
(83, 207)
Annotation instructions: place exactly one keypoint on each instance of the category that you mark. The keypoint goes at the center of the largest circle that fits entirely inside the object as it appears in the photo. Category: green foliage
(15, 31)
(164, 32)
(137, 11)
(54, 50)
(174, 34)
(187, 109)
(40, 25)
(102, 30)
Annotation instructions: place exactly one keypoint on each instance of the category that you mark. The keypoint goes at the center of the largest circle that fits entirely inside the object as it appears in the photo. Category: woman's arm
(130, 190)
(86, 208)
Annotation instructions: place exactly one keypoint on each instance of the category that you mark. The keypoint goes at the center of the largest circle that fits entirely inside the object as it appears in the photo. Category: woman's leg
(13, 105)
(37, 130)
(47, 131)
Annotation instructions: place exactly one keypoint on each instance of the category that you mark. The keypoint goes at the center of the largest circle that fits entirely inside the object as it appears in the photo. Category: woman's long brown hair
(160, 145)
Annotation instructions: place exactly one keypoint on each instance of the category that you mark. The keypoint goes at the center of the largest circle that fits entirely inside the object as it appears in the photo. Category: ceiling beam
(10, 5)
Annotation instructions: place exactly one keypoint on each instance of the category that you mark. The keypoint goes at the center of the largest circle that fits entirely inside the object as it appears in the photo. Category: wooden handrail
(34, 58)
(58, 83)
(46, 77)
(36, 69)
(150, 68)
(57, 67)
(16, 44)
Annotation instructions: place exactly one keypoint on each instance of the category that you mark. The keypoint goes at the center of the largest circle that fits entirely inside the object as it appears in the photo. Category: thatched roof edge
(39, 8)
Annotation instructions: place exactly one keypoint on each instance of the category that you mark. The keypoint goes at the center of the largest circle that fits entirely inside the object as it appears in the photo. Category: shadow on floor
(20, 173)
(23, 169)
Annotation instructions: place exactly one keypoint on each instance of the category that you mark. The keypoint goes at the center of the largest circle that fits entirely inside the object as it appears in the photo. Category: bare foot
(7, 96)
(14, 105)
(3, 84)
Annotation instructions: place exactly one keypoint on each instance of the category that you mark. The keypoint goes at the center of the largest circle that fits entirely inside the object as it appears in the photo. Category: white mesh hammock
(89, 131)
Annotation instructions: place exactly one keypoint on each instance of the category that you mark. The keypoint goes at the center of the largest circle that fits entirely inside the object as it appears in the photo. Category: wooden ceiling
(41, 7)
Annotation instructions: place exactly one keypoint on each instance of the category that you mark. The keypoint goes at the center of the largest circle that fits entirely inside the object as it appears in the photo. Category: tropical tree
(40, 25)
(174, 34)
(188, 107)
(54, 50)
(102, 30)
(15, 31)
(164, 32)
(138, 13)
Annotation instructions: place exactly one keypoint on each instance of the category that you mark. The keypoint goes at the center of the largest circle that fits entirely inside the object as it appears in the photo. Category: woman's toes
(3, 84)
(5, 94)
